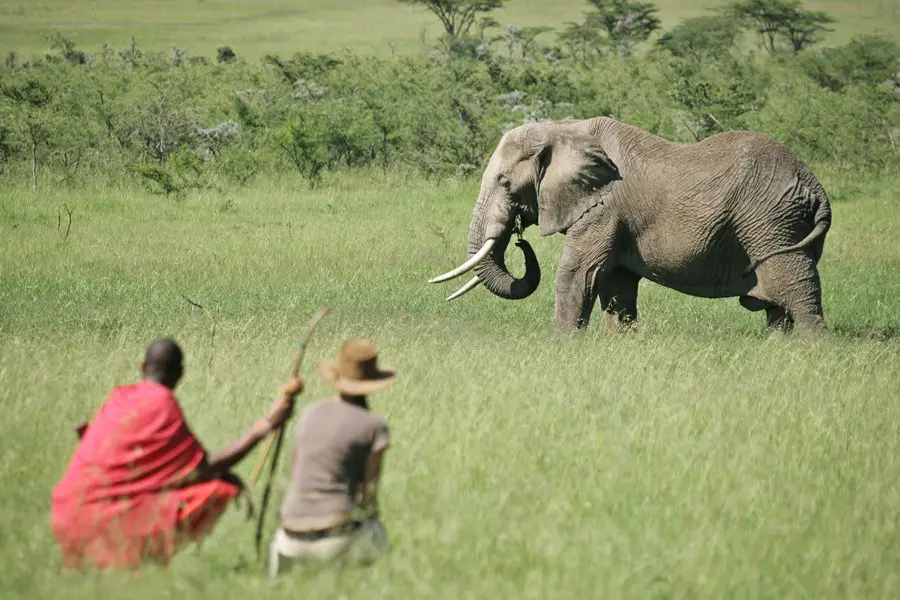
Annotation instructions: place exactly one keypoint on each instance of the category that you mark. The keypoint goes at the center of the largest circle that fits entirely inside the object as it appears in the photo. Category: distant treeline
(176, 122)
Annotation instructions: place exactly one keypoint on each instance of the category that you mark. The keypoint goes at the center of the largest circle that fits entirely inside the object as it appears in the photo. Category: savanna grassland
(695, 457)
(284, 26)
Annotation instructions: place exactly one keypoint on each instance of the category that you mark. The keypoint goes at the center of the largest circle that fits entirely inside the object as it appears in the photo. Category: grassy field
(286, 26)
(696, 458)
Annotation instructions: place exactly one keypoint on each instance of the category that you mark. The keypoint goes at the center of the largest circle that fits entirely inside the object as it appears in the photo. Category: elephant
(737, 214)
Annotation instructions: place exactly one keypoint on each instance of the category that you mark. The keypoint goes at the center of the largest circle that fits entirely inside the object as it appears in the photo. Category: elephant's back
(751, 153)
(752, 167)
(714, 203)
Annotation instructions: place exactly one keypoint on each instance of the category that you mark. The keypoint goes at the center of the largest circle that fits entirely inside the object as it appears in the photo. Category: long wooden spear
(279, 435)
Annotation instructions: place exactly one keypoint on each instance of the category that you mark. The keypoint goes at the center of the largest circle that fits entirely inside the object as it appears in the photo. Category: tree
(521, 37)
(701, 37)
(582, 41)
(867, 60)
(787, 19)
(457, 16)
(67, 49)
(626, 22)
(805, 28)
(32, 98)
(225, 54)
(717, 97)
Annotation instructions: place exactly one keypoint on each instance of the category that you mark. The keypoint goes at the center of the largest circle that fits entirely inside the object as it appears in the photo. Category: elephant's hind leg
(777, 317)
(618, 298)
(792, 283)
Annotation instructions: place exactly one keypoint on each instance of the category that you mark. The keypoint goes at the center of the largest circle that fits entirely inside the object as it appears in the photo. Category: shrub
(700, 38)
(782, 21)
(867, 59)
(225, 54)
(625, 22)
(301, 141)
(175, 122)
(458, 16)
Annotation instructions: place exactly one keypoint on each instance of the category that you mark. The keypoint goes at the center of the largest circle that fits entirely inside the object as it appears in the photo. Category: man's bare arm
(216, 464)
(222, 460)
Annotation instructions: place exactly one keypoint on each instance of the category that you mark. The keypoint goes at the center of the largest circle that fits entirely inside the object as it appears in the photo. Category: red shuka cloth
(110, 507)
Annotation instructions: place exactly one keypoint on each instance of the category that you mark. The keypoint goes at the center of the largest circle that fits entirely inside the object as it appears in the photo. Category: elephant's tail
(822, 224)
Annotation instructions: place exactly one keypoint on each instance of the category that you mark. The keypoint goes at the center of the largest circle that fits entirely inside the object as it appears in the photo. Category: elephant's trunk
(492, 269)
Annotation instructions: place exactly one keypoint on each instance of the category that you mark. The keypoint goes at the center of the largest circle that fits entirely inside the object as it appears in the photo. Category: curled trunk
(492, 270)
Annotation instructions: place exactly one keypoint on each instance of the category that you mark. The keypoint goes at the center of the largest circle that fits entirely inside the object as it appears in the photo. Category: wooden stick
(262, 459)
(295, 372)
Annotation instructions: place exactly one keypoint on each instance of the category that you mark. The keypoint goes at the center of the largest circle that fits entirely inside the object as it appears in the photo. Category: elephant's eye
(506, 183)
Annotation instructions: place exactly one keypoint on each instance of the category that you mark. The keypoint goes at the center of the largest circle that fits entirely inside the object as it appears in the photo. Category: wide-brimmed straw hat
(356, 371)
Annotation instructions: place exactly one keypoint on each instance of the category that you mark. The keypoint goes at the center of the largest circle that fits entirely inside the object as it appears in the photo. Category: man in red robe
(140, 485)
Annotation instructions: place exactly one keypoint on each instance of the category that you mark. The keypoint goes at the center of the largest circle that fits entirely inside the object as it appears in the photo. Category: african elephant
(736, 214)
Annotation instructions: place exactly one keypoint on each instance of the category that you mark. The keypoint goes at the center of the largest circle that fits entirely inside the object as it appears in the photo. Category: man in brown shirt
(339, 446)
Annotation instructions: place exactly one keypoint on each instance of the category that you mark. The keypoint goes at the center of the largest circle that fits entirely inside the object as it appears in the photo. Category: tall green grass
(695, 458)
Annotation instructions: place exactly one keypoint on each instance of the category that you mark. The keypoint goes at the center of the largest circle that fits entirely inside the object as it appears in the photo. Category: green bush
(867, 59)
(175, 122)
(716, 97)
(702, 38)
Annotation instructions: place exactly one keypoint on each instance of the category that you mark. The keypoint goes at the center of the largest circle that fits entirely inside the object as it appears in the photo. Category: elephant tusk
(468, 265)
(470, 285)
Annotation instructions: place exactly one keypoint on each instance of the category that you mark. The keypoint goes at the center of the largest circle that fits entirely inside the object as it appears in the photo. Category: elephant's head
(549, 174)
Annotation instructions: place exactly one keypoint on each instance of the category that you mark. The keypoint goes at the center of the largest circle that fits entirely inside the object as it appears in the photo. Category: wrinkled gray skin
(703, 219)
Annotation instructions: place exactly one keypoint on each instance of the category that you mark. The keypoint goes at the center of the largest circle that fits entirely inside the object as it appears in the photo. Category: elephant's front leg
(585, 262)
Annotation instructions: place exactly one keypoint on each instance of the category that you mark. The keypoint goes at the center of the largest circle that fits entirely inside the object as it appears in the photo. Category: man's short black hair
(163, 361)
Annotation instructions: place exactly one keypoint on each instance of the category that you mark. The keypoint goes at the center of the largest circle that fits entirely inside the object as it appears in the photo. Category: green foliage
(175, 175)
(303, 65)
(67, 49)
(45, 119)
(783, 20)
(625, 22)
(178, 122)
(224, 54)
(304, 150)
(860, 122)
(520, 41)
(701, 38)
(867, 59)
(584, 42)
(6, 145)
(615, 24)
(717, 96)
(458, 16)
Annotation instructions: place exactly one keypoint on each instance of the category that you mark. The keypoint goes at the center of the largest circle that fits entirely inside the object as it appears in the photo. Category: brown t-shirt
(332, 442)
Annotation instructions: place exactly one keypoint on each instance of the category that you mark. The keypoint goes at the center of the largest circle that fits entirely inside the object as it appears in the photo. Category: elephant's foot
(811, 325)
(778, 319)
(567, 326)
(793, 294)
(620, 321)
(574, 303)
(618, 299)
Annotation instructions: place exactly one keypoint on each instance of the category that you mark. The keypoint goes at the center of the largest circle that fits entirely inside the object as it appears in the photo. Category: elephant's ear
(574, 173)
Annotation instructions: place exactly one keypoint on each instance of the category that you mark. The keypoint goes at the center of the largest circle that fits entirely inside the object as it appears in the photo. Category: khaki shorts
(363, 545)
